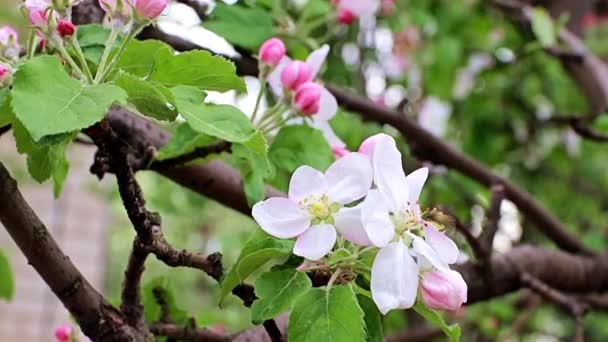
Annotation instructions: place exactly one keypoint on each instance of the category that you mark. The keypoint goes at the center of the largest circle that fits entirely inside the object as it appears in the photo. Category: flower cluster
(368, 199)
(293, 83)
(349, 10)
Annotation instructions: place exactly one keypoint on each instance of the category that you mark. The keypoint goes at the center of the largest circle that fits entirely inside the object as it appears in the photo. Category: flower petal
(442, 244)
(316, 59)
(361, 7)
(306, 181)
(375, 218)
(328, 133)
(274, 78)
(394, 281)
(348, 223)
(422, 248)
(315, 242)
(415, 182)
(388, 172)
(281, 217)
(349, 178)
(328, 106)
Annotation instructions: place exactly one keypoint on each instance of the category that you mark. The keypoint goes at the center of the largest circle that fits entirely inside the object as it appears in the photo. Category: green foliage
(197, 69)
(451, 331)
(321, 315)
(260, 249)
(153, 311)
(66, 106)
(543, 27)
(139, 56)
(221, 121)
(252, 161)
(372, 319)
(92, 39)
(183, 141)
(150, 98)
(300, 145)
(277, 291)
(5, 107)
(242, 26)
(7, 281)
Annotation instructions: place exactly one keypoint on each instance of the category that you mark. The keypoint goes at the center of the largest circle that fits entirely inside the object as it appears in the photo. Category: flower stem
(258, 100)
(31, 44)
(106, 54)
(333, 279)
(121, 49)
(64, 53)
(82, 59)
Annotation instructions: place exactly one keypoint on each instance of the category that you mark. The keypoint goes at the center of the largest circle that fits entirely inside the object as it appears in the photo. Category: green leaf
(139, 56)
(92, 39)
(372, 319)
(242, 26)
(44, 161)
(183, 141)
(65, 106)
(151, 99)
(451, 331)
(300, 145)
(5, 107)
(327, 316)
(152, 308)
(260, 249)
(543, 28)
(251, 160)
(195, 68)
(7, 281)
(222, 121)
(277, 291)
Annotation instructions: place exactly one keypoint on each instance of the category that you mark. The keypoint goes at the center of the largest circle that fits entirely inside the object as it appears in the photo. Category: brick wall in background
(78, 221)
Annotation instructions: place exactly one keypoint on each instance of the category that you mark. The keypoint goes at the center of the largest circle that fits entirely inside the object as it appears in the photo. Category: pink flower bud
(37, 11)
(65, 28)
(443, 290)
(5, 73)
(150, 9)
(339, 151)
(272, 51)
(346, 17)
(63, 333)
(295, 74)
(8, 35)
(308, 98)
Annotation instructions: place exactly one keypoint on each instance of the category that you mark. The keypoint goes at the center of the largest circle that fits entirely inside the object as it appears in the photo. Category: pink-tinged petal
(272, 51)
(423, 248)
(443, 290)
(328, 106)
(375, 218)
(361, 7)
(349, 178)
(348, 223)
(442, 244)
(305, 182)
(339, 151)
(394, 281)
(274, 78)
(316, 59)
(368, 145)
(388, 172)
(328, 133)
(415, 182)
(315, 242)
(281, 217)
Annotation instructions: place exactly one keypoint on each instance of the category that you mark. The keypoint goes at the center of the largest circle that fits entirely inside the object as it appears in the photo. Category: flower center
(320, 208)
(405, 221)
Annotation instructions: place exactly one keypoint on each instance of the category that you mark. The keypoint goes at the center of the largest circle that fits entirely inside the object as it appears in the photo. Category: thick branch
(96, 317)
(181, 333)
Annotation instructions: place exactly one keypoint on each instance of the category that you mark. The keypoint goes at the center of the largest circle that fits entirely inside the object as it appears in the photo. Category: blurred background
(460, 69)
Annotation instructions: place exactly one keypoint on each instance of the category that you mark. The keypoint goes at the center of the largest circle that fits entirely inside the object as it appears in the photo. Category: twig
(187, 333)
(493, 216)
(131, 301)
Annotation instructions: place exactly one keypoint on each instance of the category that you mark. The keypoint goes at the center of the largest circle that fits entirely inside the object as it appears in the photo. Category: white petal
(328, 106)
(348, 222)
(388, 172)
(306, 181)
(315, 242)
(316, 59)
(415, 182)
(376, 221)
(349, 178)
(328, 133)
(442, 244)
(394, 278)
(422, 248)
(274, 78)
(281, 217)
(361, 7)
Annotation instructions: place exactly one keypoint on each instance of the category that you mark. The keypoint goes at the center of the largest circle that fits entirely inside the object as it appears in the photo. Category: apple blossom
(150, 9)
(65, 28)
(117, 9)
(365, 10)
(314, 199)
(272, 51)
(346, 17)
(307, 98)
(37, 11)
(443, 290)
(339, 151)
(9, 42)
(63, 333)
(390, 218)
(295, 74)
